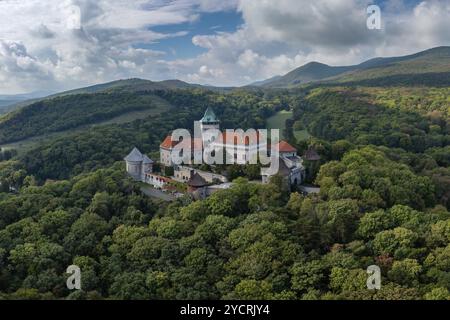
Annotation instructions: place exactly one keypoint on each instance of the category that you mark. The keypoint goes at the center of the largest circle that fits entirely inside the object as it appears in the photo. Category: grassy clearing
(278, 121)
(302, 135)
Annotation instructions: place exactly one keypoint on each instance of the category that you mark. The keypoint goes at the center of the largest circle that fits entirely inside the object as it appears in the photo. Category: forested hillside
(345, 113)
(415, 67)
(384, 199)
(410, 129)
(68, 112)
(250, 242)
(101, 146)
(425, 100)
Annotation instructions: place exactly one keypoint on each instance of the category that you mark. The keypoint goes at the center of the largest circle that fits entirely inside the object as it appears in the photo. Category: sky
(55, 45)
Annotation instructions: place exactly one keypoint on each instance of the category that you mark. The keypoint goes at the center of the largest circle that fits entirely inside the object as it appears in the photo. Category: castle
(291, 166)
(140, 167)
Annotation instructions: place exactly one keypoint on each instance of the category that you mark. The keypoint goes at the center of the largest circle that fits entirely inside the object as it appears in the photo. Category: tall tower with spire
(208, 123)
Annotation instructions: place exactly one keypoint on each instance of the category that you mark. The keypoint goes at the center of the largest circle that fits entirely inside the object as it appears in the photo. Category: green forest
(385, 194)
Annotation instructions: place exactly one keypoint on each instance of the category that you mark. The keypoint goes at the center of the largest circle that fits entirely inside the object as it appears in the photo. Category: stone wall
(184, 173)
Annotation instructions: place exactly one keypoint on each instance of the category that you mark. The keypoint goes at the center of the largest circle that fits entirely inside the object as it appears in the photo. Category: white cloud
(39, 52)
(16, 61)
(102, 49)
(280, 35)
(320, 22)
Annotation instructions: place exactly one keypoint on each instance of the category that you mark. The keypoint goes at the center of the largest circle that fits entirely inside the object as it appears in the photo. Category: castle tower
(147, 165)
(208, 123)
(165, 151)
(134, 164)
(138, 165)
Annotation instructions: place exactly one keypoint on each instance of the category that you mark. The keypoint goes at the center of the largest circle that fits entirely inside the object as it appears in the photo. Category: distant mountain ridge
(263, 82)
(8, 102)
(432, 61)
(113, 102)
(130, 99)
(123, 85)
(133, 84)
(435, 60)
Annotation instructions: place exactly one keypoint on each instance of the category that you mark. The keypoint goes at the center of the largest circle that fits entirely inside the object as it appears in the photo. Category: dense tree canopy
(384, 200)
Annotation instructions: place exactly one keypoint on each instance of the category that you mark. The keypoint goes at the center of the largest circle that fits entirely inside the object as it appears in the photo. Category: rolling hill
(311, 72)
(118, 102)
(131, 85)
(128, 100)
(115, 102)
(9, 102)
(427, 67)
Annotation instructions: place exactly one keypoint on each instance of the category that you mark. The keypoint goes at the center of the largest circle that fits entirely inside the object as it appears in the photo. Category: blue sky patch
(181, 47)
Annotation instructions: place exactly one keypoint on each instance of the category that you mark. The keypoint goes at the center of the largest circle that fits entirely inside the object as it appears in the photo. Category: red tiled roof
(283, 146)
(196, 144)
(170, 188)
(165, 179)
(235, 138)
(168, 143)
